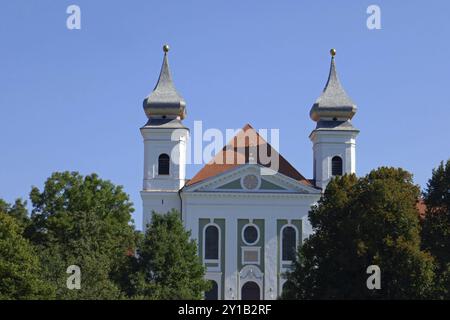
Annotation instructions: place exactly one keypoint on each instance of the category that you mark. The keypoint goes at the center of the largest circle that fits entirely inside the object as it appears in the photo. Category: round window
(250, 182)
(250, 234)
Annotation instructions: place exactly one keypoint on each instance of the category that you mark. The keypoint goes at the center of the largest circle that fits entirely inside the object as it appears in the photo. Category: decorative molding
(227, 194)
(258, 182)
(251, 273)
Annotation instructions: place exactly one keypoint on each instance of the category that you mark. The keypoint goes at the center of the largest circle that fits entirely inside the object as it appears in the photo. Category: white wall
(156, 142)
(326, 145)
(160, 192)
(234, 206)
(160, 202)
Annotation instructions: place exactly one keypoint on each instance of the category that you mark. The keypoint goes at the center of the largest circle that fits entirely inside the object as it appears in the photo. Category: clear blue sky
(72, 99)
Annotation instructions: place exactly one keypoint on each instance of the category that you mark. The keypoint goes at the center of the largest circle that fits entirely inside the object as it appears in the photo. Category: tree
(167, 265)
(358, 223)
(20, 270)
(18, 211)
(436, 226)
(83, 221)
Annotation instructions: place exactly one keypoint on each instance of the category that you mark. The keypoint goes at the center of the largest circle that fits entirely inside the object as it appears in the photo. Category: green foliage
(86, 221)
(83, 221)
(18, 211)
(436, 226)
(357, 223)
(20, 271)
(167, 265)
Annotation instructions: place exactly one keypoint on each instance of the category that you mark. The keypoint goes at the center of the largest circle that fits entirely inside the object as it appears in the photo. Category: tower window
(336, 166)
(163, 164)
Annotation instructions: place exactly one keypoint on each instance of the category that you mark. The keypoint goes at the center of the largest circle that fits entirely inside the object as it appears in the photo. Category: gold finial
(166, 48)
(333, 52)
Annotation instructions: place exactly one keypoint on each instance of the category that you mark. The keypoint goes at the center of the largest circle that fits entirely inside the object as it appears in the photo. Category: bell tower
(165, 143)
(334, 138)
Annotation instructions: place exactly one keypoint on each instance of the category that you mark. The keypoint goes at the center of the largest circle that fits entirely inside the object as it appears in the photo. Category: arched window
(211, 243)
(289, 243)
(213, 293)
(336, 166)
(163, 164)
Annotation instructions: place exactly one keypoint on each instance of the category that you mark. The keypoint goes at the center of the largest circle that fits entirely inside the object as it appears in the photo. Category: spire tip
(333, 52)
(166, 48)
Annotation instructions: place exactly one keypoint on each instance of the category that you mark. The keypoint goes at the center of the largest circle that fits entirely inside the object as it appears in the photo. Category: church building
(247, 214)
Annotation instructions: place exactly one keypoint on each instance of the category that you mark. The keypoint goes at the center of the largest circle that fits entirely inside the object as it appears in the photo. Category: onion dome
(165, 101)
(333, 103)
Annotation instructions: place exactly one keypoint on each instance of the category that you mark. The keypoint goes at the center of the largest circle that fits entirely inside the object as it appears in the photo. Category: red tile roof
(422, 208)
(240, 150)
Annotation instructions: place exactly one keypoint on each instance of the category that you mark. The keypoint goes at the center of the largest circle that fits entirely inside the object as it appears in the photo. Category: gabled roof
(240, 151)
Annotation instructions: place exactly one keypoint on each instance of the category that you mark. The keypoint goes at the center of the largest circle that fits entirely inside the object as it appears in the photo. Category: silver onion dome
(164, 101)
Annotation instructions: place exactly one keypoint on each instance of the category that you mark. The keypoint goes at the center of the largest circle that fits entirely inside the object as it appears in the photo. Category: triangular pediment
(251, 178)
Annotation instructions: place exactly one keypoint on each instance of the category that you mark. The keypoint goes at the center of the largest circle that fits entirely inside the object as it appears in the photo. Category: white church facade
(248, 213)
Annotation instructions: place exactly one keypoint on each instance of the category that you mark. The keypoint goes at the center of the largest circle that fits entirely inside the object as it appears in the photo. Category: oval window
(250, 234)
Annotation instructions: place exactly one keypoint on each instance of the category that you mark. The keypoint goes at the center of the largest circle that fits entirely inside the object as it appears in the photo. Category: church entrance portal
(250, 291)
